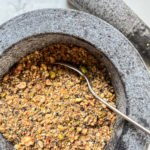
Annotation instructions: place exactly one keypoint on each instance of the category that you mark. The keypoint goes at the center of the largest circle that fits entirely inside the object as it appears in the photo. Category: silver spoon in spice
(103, 101)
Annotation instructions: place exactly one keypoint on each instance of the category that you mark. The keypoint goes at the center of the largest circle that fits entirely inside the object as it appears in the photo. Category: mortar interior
(30, 44)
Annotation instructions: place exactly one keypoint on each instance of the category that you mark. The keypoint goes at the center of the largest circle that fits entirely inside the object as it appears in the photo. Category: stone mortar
(28, 32)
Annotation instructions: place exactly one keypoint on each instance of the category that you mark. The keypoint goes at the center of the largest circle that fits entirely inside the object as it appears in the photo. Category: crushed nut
(22, 85)
(52, 60)
(61, 137)
(78, 100)
(27, 140)
(40, 113)
(62, 128)
(48, 82)
(52, 74)
(83, 69)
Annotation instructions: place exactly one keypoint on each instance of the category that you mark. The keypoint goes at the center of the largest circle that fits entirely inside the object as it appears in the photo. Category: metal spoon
(103, 101)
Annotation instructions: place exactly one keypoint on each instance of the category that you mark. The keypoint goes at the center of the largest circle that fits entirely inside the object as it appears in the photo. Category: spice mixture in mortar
(46, 106)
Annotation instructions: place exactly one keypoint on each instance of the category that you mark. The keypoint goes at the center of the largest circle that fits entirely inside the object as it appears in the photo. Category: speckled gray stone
(118, 14)
(26, 33)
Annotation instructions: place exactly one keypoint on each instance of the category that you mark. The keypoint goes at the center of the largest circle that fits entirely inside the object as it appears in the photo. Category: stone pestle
(118, 14)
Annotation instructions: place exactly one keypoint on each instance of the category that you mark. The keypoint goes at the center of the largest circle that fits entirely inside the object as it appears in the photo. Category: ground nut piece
(102, 95)
(91, 120)
(102, 114)
(78, 100)
(52, 60)
(87, 119)
(112, 97)
(2, 129)
(109, 95)
(84, 131)
(5, 77)
(3, 95)
(39, 98)
(88, 148)
(52, 74)
(61, 137)
(0, 89)
(40, 143)
(48, 82)
(44, 67)
(79, 129)
(104, 106)
(1, 118)
(38, 86)
(9, 97)
(33, 67)
(10, 102)
(48, 139)
(62, 128)
(22, 85)
(83, 69)
(19, 67)
(27, 140)
(17, 146)
(46, 74)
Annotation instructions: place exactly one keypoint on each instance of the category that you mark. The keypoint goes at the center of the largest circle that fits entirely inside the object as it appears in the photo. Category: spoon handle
(116, 110)
(103, 101)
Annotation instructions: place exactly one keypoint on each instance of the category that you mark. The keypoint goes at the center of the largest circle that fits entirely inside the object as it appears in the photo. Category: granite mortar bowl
(34, 30)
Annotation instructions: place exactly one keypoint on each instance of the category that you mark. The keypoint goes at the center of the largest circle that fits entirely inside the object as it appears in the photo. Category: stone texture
(118, 14)
(128, 64)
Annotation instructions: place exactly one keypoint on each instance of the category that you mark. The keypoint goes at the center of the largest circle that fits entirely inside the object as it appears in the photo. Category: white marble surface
(141, 8)
(12, 8)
